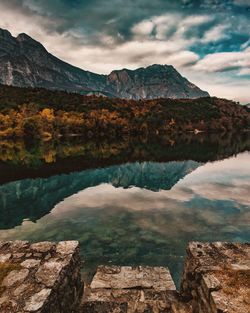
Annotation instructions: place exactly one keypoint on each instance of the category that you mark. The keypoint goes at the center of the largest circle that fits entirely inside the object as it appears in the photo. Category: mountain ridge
(25, 62)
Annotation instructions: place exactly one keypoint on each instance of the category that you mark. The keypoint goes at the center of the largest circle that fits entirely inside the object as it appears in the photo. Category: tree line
(41, 113)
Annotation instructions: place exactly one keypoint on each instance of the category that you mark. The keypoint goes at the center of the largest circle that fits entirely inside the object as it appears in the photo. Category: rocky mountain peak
(160, 67)
(4, 33)
(7, 41)
(25, 62)
(7, 47)
(15, 46)
(119, 75)
(24, 39)
(154, 81)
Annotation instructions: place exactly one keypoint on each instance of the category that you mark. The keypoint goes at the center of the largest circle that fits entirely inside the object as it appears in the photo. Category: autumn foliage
(48, 114)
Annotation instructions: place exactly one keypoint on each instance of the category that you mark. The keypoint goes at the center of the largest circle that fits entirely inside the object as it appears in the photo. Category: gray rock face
(25, 62)
(155, 81)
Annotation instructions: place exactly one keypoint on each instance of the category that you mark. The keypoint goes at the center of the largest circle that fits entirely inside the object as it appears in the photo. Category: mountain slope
(25, 62)
(152, 82)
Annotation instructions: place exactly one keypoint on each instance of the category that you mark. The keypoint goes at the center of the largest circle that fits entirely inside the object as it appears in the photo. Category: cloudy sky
(208, 41)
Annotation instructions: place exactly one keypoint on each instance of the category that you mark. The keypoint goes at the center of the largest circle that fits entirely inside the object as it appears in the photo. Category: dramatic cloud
(225, 61)
(203, 36)
(216, 33)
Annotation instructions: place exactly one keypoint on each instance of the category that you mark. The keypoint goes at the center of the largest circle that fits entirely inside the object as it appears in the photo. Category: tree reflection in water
(130, 202)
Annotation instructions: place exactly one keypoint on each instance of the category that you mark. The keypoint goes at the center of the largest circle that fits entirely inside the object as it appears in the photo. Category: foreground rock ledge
(216, 277)
(130, 289)
(42, 277)
(45, 278)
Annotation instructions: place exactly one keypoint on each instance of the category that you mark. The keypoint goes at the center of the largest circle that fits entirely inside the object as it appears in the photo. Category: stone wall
(45, 278)
(42, 277)
(216, 277)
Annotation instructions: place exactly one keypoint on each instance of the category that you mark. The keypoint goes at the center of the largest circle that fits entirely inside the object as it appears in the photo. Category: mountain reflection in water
(134, 213)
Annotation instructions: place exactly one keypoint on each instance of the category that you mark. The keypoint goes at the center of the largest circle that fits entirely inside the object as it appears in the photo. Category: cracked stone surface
(66, 247)
(14, 277)
(42, 246)
(130, 289)
(48, 273)
(217, 277)
(42, 277)
(45, 278)
(124, 277)
(30, 263)
(37, 300)
(4, 257)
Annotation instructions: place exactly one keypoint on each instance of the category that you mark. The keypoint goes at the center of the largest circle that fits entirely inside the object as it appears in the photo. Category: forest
(46, 114)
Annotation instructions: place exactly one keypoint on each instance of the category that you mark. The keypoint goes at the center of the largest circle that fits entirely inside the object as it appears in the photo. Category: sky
(208, 41)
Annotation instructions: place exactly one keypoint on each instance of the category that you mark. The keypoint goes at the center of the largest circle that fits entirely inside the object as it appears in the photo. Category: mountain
(24, 62)
(155, 81)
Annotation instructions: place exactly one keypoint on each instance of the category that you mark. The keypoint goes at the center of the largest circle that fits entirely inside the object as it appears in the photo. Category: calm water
(131, 212)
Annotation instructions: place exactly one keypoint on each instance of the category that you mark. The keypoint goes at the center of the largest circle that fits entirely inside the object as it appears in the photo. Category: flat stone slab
(39, 277)
(127, 277)
(130, 289)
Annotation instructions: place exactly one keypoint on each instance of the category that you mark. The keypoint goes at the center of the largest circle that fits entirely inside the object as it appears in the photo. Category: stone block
(216, 277)
(40, 278)
(130, 289)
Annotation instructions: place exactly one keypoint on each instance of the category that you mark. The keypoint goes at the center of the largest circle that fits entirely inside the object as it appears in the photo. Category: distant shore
(46, 115)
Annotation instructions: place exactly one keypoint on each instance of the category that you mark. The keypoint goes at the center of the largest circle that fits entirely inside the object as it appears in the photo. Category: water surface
(133, 212)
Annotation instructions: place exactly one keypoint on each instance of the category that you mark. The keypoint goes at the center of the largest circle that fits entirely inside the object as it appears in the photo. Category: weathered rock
(29, 263)
(19, 290)
(37, 301)
(18, 245)
(4, 257)
(181, 307)
(18, 255)
(45, 246)
(16, 276)
(130, 289)
(67, 247)
(49, 272)
(35, 283)
(124, 277)
(217, 277)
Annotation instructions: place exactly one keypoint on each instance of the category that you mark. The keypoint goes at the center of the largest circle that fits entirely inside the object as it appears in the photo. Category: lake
(128, 202)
